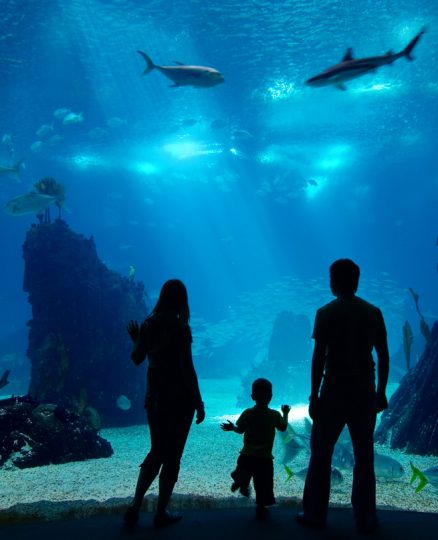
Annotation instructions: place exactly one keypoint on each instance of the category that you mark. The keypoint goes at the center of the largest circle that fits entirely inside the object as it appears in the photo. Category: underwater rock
(287, 364)
(34, 434)
(78, 345)
(411, 421)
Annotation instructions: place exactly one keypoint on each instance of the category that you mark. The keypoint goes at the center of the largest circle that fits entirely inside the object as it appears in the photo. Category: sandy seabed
(107, 485)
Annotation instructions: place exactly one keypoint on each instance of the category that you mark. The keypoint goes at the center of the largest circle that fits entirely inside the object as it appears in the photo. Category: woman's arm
(140, 340)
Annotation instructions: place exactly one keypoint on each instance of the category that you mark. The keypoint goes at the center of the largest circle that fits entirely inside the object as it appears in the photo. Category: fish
(335, 475)
(73, 118)
(408, 338)
(351, 68)
(7, 139)
(416, 473)
(343, 456)
(59, 114)
(4, 378)
(292, 444)
(425, 330)
(36, 146)
(30, 203)
(387, 468)
(185, 75)
(123, 403)
(416, 298)
(15, 169)
(44, 130)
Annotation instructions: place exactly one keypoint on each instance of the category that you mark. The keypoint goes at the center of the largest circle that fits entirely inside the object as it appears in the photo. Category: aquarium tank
(242, 147)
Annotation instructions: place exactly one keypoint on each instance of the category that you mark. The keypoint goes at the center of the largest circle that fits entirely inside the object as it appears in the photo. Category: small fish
(123, 403)
(61, 113)
(44, 130)
(72, 118)
(116, 122)
(185, 75)
(416, 473)
(7, 139)
(4, 378)
(15, 169)
(288, 472)
(37, 146)
(131, 273)
(408, 338)
(351, 68)
(30, 203)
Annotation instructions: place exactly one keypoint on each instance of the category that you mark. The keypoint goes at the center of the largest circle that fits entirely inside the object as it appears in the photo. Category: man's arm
(318, 362)
(382, 372)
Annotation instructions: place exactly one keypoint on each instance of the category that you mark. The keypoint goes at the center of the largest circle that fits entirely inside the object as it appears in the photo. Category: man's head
(344, 277)
(261, 391)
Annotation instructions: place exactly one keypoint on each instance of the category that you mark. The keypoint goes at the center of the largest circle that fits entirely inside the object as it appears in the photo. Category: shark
(185, 75)
(15, 169)
(351, 68)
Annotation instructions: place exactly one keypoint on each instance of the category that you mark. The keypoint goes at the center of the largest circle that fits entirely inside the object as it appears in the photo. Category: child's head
(261, 391)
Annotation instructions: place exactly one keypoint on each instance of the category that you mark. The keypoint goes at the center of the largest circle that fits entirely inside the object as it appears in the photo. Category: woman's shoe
(166, 518)
(131, 516)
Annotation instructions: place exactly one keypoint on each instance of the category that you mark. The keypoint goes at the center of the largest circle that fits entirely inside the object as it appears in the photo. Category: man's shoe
(367, 525)
(310, 523)
(166, 518)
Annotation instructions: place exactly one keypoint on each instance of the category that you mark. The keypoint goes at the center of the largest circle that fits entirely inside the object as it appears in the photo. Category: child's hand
(285, 409)
(227, 426)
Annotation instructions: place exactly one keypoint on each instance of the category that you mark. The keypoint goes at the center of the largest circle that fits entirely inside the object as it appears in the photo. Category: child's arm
(229, 426)
(284, 419)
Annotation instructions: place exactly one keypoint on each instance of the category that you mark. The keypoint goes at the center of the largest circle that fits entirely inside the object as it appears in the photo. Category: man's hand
(314, 407)
(381, 402)
(133, 330)
(227, 426)
(200, 414)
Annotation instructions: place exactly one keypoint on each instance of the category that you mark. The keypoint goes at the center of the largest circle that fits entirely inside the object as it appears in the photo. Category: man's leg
(325, 432)
(361, 426)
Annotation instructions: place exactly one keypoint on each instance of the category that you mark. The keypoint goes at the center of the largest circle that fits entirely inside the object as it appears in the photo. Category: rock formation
(411, 421)
(33, 434)
(78, 345)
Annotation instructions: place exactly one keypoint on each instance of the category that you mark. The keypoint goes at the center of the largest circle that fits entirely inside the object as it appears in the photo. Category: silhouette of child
(258, 425)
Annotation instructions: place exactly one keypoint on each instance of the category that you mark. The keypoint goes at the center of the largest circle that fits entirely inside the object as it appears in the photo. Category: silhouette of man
(346, 331)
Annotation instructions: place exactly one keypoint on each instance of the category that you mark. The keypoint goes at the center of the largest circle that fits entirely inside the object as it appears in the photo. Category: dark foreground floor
(227, 524)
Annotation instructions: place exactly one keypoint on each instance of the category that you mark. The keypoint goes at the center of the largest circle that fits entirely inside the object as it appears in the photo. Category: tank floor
(232, 524)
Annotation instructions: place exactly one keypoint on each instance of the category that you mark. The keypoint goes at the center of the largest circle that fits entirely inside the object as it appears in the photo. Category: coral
(78, 346)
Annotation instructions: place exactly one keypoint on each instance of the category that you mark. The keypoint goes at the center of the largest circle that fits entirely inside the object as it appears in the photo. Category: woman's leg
(177, 430)
(150, 467)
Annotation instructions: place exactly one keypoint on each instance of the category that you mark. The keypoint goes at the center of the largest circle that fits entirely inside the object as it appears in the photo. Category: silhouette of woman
(172, 395)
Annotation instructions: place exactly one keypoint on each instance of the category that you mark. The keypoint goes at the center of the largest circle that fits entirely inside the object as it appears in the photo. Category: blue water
(246, 191)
